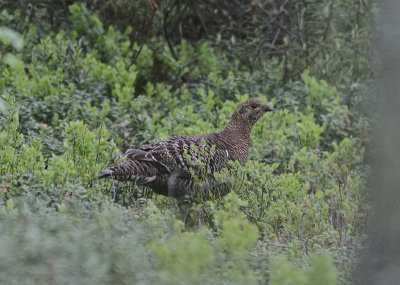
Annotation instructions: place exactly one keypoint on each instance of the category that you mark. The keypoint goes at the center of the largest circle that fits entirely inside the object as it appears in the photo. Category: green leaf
(8, 36)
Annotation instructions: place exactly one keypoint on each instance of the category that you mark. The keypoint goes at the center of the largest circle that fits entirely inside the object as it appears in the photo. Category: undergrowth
(74, 98)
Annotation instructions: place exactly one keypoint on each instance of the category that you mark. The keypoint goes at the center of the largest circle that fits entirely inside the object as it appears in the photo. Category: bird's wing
(183, 154)
(138, 154)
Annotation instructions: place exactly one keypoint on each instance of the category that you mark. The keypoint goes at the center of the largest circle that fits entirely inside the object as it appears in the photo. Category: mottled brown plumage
(171, 167)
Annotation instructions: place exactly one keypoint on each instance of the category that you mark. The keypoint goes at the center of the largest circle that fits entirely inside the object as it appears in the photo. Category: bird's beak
(268, 108)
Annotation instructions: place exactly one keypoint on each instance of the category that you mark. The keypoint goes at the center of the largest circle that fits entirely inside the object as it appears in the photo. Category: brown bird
(183, 166)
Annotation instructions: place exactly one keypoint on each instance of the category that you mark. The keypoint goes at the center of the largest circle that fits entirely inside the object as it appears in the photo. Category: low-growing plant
(82, 93)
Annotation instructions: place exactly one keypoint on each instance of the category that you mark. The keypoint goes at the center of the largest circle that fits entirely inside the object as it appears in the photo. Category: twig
(145, 29)
(200, 18)
(329, 20)
(165, 29)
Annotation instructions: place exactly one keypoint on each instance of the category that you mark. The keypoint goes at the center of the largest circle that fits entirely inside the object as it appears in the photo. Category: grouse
(184, 166)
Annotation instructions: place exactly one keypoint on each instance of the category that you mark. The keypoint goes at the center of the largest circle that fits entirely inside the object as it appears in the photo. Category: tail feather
(106, 173)
(140, 172)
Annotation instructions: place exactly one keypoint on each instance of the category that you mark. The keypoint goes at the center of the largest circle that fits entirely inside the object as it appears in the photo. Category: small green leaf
(8, 36)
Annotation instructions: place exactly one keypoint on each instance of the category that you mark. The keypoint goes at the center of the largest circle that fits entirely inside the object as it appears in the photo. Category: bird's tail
(106, 173)
(140, 172)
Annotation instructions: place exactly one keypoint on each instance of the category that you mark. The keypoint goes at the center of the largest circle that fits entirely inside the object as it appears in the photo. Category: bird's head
(250, 112)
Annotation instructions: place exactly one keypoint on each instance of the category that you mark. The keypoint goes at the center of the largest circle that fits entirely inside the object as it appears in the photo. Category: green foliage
(174, 264)
(321, 271)
(58, 248)
(9, 37)
(83, 90)
(88, 150)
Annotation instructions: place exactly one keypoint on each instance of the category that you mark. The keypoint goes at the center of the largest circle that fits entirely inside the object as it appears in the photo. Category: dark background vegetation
(96, 77)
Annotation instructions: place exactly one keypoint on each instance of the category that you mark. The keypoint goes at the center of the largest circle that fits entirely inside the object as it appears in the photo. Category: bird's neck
(237, 131)
(237, 138)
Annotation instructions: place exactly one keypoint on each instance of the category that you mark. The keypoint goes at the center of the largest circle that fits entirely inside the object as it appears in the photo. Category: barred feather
(171, 167)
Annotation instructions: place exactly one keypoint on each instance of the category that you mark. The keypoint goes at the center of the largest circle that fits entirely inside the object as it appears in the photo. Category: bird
(184, 166)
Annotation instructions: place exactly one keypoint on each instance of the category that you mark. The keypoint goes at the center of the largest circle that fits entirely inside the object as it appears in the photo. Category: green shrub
(82, 92)
(321, 271)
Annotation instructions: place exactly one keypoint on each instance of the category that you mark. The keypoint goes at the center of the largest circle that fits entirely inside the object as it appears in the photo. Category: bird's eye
(254, 106)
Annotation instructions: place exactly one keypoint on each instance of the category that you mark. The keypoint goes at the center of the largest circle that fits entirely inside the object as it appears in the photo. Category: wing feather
(171, 155)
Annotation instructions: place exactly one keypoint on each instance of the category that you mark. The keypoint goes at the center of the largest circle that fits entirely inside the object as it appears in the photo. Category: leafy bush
(85, 91)
(321, 271)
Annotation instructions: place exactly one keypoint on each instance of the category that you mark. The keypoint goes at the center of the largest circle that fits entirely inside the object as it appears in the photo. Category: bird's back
(174, 166)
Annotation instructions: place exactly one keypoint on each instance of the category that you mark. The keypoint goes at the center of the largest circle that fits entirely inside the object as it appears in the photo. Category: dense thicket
(96, 77)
